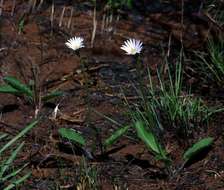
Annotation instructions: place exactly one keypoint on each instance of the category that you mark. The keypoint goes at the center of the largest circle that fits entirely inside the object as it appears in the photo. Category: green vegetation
(9, 174)
(196, 148)
(167, 104)
(211, 63)
(88, 177)
(151, 142)
(116, 4)
(72, 135)
(15, 87)
(164, 107)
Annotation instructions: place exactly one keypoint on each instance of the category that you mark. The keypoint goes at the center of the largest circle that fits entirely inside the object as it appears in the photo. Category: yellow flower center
(133, 51)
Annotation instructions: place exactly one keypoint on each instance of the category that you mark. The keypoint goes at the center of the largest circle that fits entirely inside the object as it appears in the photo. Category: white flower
(75, 43)
(132, 46)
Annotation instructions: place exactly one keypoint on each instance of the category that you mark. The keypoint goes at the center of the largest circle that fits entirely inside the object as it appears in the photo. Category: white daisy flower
(132, 46)
(75, 43)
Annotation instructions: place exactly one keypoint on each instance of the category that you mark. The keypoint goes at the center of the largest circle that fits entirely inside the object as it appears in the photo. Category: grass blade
(108, 118)
(9, 161)
(115, 136)
(17, 182)
(22, 133)
(2, 136)
(52, 95)
(13, 174)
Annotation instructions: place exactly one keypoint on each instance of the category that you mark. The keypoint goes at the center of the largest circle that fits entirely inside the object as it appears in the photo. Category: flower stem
(86, 88)
(140, 79)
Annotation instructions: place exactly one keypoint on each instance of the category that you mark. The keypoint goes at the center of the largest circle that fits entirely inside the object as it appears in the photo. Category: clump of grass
(88, 177)
(167, 104)
(180, 109)
(211, 62)
(10, 175)
(214, 11)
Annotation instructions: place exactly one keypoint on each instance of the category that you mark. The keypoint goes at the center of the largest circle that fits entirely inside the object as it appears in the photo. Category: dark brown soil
(129, 164)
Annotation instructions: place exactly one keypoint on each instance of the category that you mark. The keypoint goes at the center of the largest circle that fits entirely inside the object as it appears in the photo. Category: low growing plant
(75, 137)
(16, 87)
(147, 136)
(160, 153)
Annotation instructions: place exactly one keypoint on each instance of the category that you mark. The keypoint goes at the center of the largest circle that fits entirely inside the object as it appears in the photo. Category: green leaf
(9, 90)
(70, 134)
(115, 136)
(15, 83)
(22, 133)
(147, 137)
(51, 96)
(197, 148)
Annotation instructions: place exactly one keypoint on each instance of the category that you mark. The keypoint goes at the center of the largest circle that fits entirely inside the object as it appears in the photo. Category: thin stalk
(141, 83)
(94, 25)
(52, 17)
(62, 16)
(86, 89)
